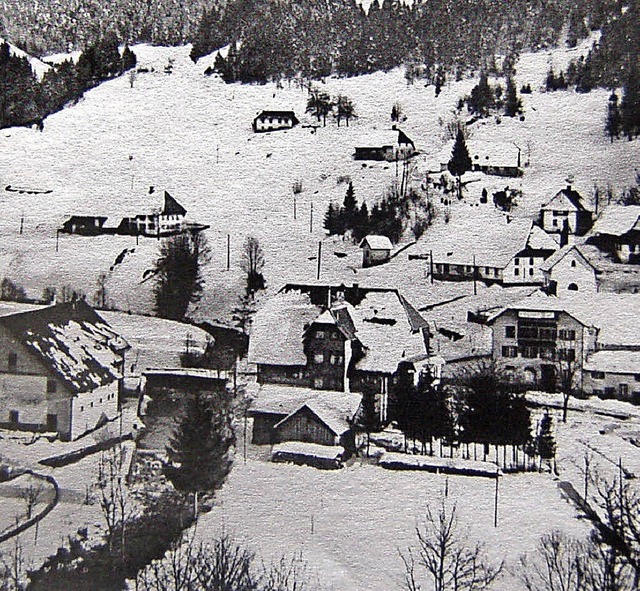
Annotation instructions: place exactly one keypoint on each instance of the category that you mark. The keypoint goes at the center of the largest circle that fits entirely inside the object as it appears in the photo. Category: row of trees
(486, 99)
(273, 41)
(320, 104)
(26, 100)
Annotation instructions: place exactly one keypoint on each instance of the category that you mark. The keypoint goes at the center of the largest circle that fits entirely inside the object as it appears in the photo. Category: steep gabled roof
(566, 199)
(171, 206)
(73, 341)
(337, 420)
(275, 113)
(583, 252)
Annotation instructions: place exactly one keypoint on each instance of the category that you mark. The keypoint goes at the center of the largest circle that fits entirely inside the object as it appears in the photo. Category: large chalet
(60, 371)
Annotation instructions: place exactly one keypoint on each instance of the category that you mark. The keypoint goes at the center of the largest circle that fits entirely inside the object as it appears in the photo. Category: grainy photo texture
(319, 295)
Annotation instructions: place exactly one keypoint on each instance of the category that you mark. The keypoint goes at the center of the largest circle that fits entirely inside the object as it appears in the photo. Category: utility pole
(228, 252)
(431, 265)
(319, 259)
(495, 502)
(311, 219)
(295, 208)
(57, 239)
(22, 223)
(475, 289)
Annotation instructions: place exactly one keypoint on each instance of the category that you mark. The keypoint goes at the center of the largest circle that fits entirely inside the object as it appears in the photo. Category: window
(609, 392)
(531, 260)
(547, 334)
(14, 417)
(509, 351)
(318, 383)
(516, 272)
(517, 261)
(637, 377)
(318, 358)
(567, 335)
(320, 334)
(529, 352)
(12, 361)
(81, 408)
(530, 271)
(597, 392)
(510, 332)
(547, 353)
(52, 386)
(623, 389)
(573, 264)
(567, 354)
(597, 375)
(555, 222)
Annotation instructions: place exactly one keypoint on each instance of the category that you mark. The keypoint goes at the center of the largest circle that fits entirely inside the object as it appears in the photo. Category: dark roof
(73, 341)
(171, 206)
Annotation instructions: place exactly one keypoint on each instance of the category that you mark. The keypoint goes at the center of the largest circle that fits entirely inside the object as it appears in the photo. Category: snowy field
(362, 515)
(191, 134)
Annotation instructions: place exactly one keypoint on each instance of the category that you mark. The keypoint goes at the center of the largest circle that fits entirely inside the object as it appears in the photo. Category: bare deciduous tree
(446, 557)
(252, 264)
(13, 569)
(31, 496)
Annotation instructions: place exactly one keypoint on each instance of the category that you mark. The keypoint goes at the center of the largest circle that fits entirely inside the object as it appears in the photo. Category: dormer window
(573, 263)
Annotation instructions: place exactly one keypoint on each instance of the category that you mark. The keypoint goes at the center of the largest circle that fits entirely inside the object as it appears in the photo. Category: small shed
(314, 422)
(274, 120)
(385, 144)
(376, 250)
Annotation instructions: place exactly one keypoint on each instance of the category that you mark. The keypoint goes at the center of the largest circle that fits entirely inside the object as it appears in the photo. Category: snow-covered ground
(191, 134)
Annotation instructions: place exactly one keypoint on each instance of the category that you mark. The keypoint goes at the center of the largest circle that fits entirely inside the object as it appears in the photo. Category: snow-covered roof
(278, 329)
(587, 253)
(387, 330)
(493, 238)
(73, 340)
(540, 240)
(617, 220)
(627, 362)
(337, 419)
(284, 400)
(566, 199)
(376, 242)
(379, 138)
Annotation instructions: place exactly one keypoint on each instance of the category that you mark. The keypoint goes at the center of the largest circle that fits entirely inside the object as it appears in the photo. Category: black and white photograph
(320, 295)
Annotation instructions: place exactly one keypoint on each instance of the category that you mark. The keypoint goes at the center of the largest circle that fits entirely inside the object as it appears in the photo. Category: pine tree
(512, 104)
(200, 449)
(460, 160)
(349, 208)
(128, 59)
(242, 314)
(482, 98)
(545, 442)
(614, 118)
(630, 107)
(361, 223)
(331, 219)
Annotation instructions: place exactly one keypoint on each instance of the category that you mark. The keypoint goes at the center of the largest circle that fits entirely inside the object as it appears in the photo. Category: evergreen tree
(368, 418)
(361, 223)
(482, 98)
(128, 60)
(200, 449)
(614, 118)
(179, 279)
(630, 107)
(460, 160)
(434, 418)
(331, 219)
(242, 314)
(349, 208)
(551, 81)
(319, 104)
(512, 103)
(345, 109)
(545, 442)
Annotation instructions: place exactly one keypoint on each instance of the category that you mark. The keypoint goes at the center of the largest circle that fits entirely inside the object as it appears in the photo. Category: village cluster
(539, 302)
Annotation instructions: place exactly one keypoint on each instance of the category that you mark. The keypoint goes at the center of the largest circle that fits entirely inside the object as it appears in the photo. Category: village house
(566, 208)
(376, 250)
(492, 158)
(335, 339)
(385, 144)
(274, 120)
(592, 341)
(477, 247)
(61, 370)
(617, 232)
(525, 266)
(165, 221)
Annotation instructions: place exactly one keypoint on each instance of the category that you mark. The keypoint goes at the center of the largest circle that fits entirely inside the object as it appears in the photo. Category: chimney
(568, 188)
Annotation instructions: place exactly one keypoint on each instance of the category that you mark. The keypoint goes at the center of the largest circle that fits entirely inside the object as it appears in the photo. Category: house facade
(386, 145)
(60, 371)
(566, 210)
(613, 374)
(492, 158)
(570, 269)
(376, 250)
(274, 120)
(534, 345)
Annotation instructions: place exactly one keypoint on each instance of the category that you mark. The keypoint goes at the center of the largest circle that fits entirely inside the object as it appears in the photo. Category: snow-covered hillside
(38, 66)
(191, 134)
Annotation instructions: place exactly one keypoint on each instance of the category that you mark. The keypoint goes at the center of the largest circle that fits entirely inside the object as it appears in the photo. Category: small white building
(618, 231)
(524, 267)
(385, 144)
(376, 250)
(274, 120)
(571, 269)
(493, 158)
